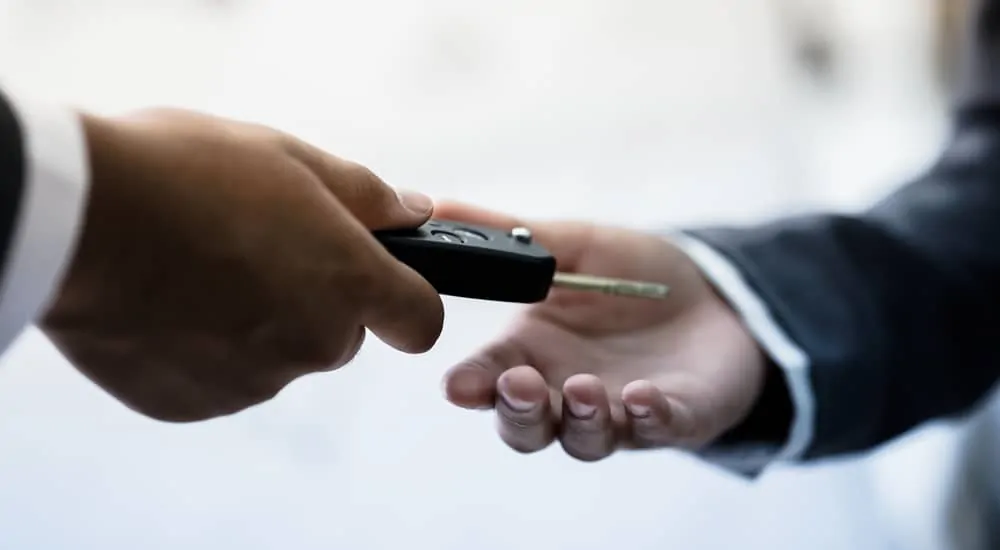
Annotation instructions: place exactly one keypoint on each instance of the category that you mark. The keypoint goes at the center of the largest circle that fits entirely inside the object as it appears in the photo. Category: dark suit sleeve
(897, 309)
(12, 174)
(43, 184)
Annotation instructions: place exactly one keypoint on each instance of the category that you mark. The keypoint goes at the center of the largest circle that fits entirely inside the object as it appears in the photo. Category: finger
(472, 383)
(586, 431)
(403, 310)
(374, 203)
(524, 412)
(391, 299)
(650, 415)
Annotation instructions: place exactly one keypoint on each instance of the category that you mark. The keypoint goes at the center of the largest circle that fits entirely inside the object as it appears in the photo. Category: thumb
(373, 202)
(378, 206)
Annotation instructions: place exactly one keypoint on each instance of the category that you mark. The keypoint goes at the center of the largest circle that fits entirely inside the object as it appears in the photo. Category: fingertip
(469, 387)
(584, 385)
(587, 431)
(641, 397)
(584, 394)
(523, 410)
(655, 420)
(522, 388)
(418, 339)
(419, 205)
(429, 326)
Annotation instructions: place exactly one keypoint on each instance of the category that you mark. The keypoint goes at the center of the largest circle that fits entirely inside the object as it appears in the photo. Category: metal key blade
(617, 287)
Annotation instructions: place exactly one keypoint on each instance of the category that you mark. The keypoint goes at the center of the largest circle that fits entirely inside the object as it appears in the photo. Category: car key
(471, 261)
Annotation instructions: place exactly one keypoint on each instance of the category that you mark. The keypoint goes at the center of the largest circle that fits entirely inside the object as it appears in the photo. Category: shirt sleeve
(43, 188)
(752, 457)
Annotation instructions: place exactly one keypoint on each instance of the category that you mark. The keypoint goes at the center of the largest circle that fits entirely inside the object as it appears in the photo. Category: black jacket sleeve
(12, 176)
(897, 308)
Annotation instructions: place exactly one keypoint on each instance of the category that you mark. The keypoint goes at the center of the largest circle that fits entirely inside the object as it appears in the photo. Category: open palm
(601, 372)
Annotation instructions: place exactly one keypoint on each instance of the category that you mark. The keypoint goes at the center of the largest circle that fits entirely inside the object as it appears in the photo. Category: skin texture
(221, 260)
(599, 373)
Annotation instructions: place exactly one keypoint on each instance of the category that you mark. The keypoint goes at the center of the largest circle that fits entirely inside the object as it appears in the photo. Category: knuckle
(289, 143)
(585, 429)
(327, 352)
(521, 436)
(350, 351)
(366, 282)
(281, 141)
(331, 353)
(363, 186)
(518, 421)
(319, 340)
(372, 277)
(362, 176)
(259, 389)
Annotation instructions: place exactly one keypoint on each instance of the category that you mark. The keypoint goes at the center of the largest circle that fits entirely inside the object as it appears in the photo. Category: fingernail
(640, 411)
(519, 405)
(415, 202)
(580, 410)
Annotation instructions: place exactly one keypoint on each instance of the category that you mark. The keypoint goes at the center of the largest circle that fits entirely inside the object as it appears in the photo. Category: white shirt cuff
(793, 362)
(51, 214)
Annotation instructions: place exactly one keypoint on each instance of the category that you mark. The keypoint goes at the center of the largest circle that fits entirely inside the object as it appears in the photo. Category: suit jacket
(897, 308)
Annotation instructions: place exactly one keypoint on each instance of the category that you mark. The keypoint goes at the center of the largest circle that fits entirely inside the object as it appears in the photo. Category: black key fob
(475, 262)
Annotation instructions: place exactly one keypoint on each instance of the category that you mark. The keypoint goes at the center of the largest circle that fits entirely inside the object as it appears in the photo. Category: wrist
(770, 418)
(779, 423)
(766, 421)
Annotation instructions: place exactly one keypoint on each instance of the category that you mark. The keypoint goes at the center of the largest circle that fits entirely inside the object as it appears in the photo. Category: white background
(647, 113)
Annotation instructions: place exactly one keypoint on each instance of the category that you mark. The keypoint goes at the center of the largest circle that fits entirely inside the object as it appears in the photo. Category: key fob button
(521, 234)
(447, 236)
(470, 234)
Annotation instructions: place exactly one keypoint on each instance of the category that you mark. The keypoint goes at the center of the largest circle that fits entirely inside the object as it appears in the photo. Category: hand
(220, 260)
(599, 372)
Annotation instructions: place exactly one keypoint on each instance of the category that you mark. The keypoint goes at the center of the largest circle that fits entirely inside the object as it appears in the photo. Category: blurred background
(644, 113)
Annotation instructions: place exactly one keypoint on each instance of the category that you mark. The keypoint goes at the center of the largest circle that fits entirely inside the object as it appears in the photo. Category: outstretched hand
(598, 372)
